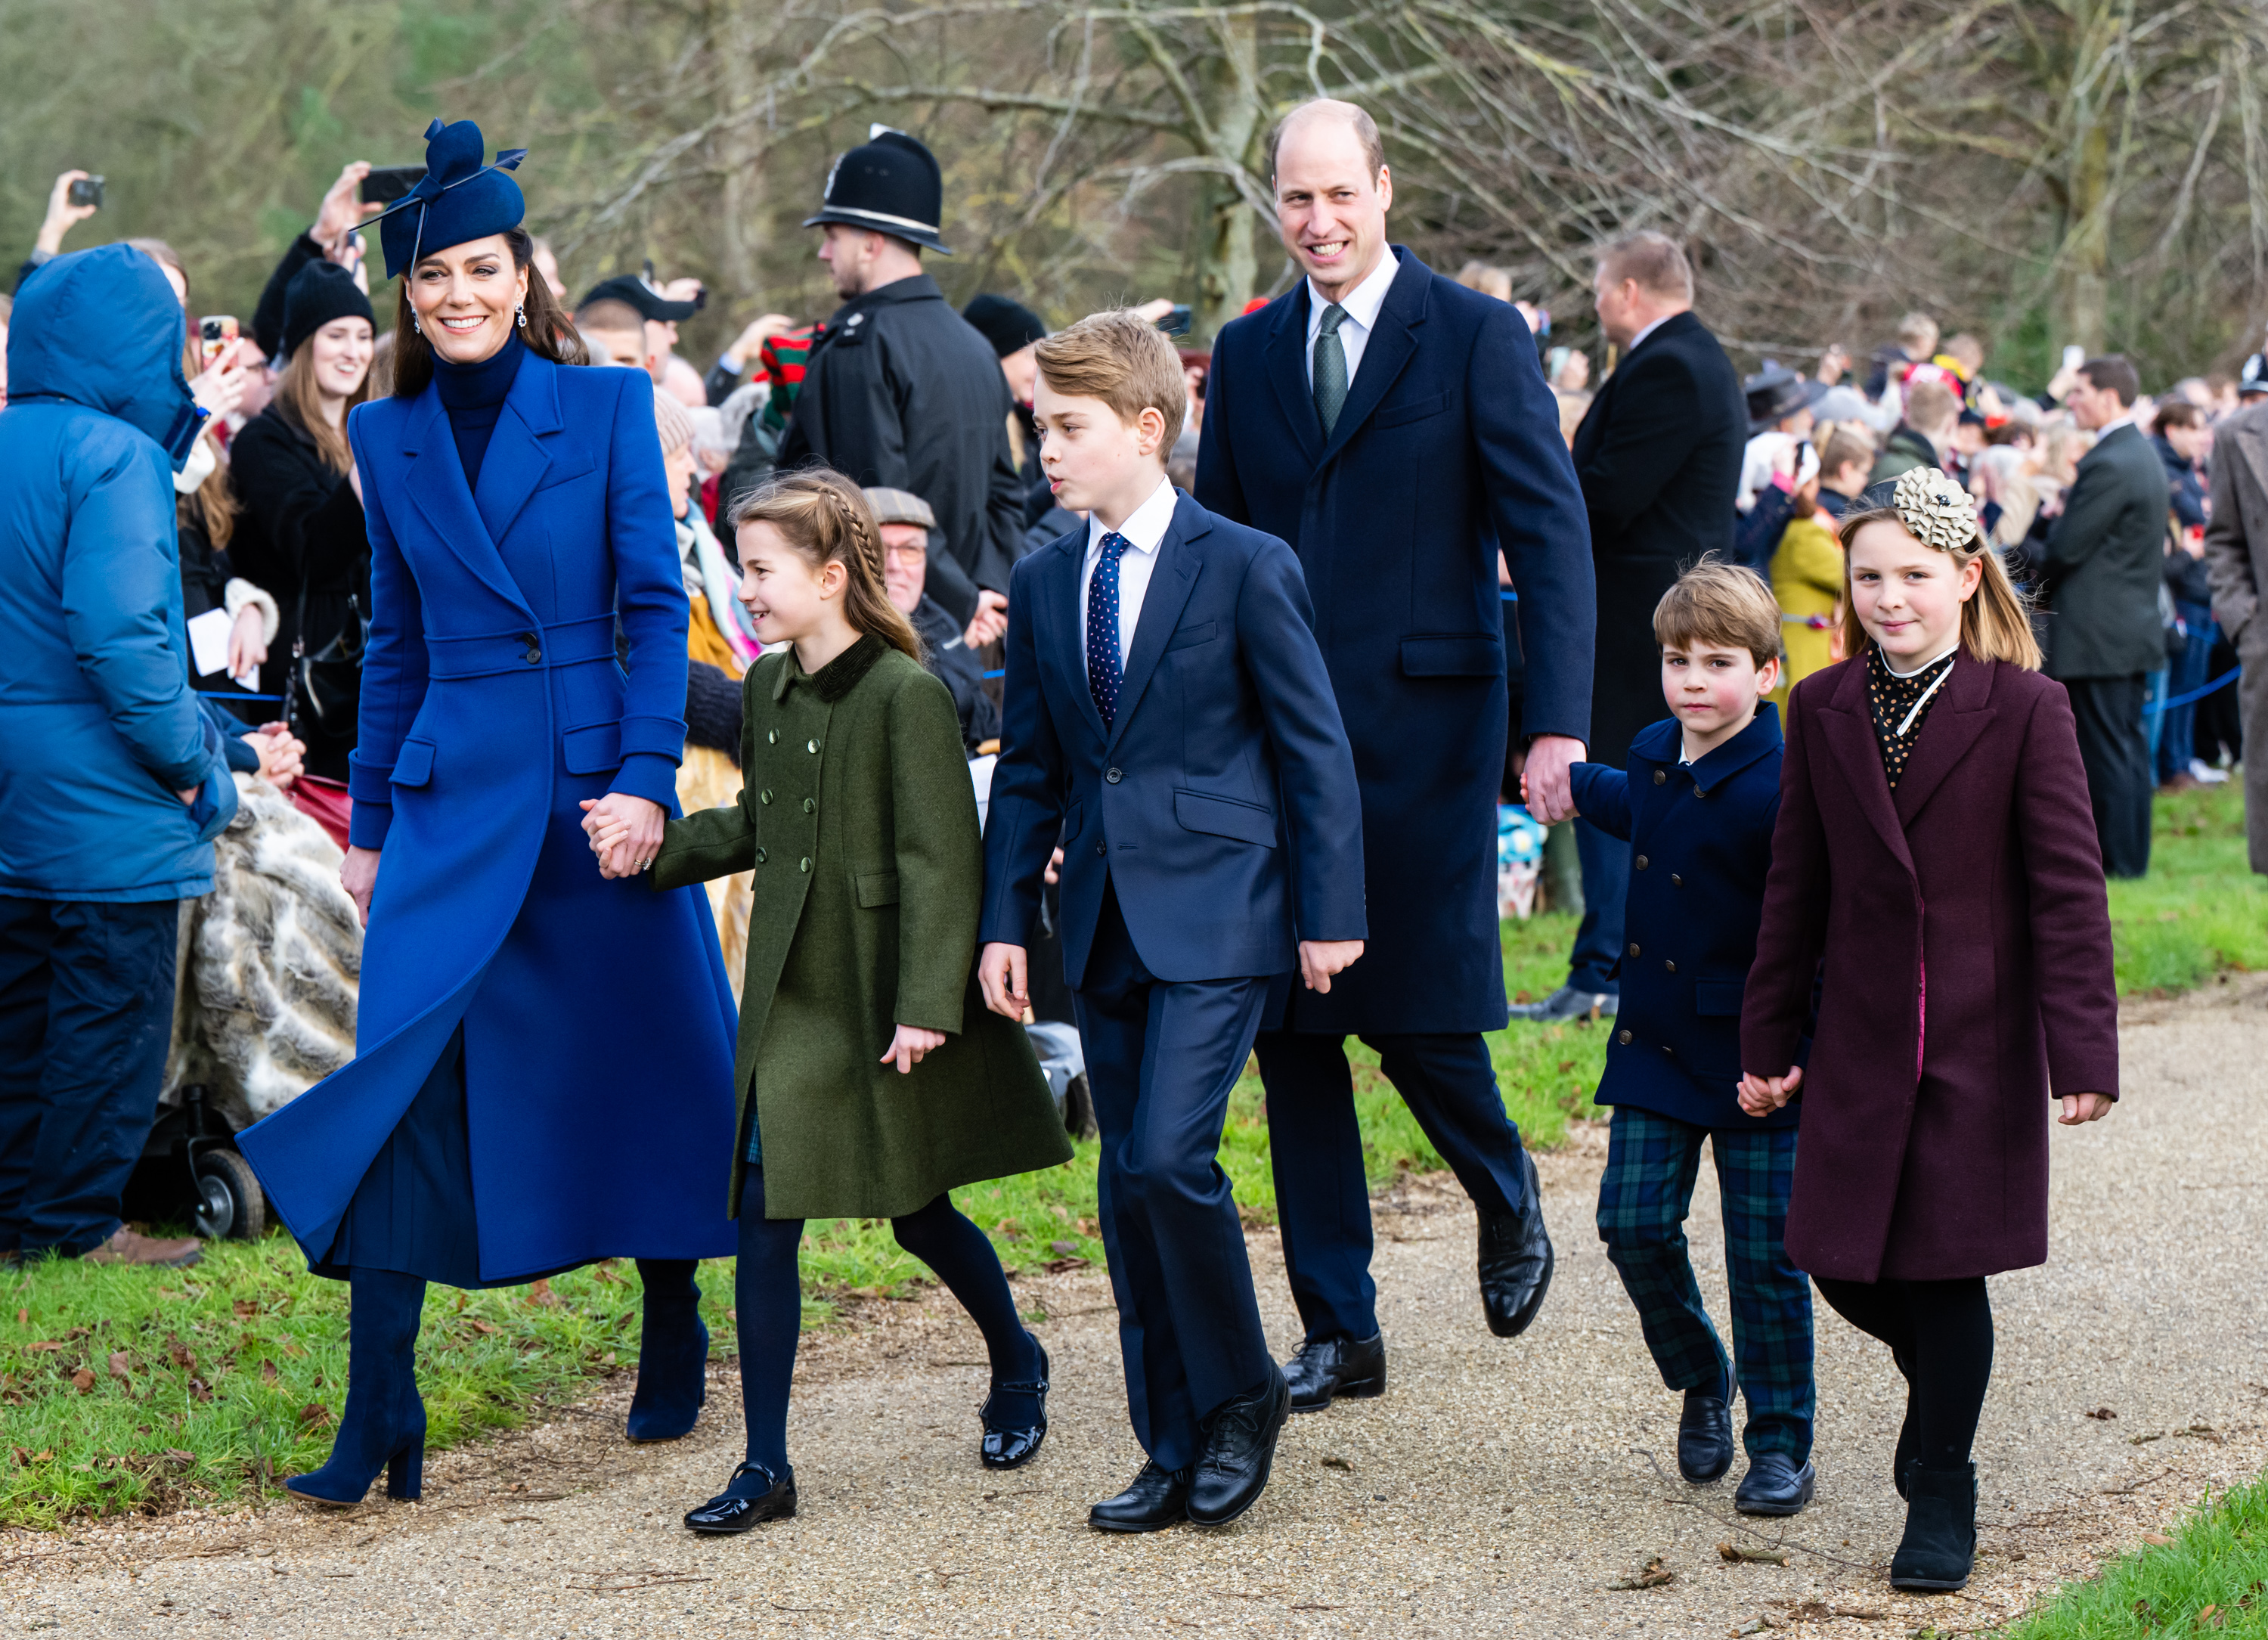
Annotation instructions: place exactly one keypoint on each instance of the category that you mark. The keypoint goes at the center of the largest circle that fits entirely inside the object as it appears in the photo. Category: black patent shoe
(1704, 1438)
(1515, 1261)
(1328, 1367)
(1158, 1498)
(1774, 1486)
(730, 1512)
(1005, 1448)
(1939, 1546)
(1239, 1453)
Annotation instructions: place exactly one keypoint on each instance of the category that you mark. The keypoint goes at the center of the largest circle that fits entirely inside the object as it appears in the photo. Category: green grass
(2201, 909)
(2212, 1578)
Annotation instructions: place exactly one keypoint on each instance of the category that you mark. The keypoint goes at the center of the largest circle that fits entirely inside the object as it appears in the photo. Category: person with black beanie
(1015, 333)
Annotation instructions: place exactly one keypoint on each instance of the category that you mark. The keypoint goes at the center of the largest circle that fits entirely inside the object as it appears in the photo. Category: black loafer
(728, 1513)
(1774, 1486)
(1515, 1262)
(1328, 1367)
(1240, 1451)
(1158, 1498)
(1005, 1448)
(1704, 1438)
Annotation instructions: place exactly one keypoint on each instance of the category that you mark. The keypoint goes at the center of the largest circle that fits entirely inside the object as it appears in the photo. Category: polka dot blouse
(1891, 697)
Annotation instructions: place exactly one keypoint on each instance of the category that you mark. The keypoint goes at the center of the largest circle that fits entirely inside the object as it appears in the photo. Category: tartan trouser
(1644, 1197)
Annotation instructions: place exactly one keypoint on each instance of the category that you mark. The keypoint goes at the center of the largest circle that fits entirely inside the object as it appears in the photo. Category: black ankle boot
(1940, 1541)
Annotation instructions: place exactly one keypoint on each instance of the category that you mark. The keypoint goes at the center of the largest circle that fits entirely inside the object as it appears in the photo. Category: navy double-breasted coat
(1446, 449)
(597, 1025)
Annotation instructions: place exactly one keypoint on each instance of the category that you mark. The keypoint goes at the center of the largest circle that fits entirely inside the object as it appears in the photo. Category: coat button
(772, 739)
(1102, 848)
(1622, 1037)
(811, 745)
(1665, 1048)
(809, 805)
(1112, 776)
(1697, 792)
(1659, 776)
(765, 796)
(1669, 967)
(1677, 882)
(534, 655)
(804, 864)
(1639, 862)
(1633, 948)
(760, 857)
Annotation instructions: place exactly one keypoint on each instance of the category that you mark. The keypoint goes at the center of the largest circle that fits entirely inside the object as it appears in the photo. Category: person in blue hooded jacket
(543, 1073)
(113, 783)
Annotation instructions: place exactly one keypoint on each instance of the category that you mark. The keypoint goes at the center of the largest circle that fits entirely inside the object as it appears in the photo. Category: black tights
(1940, 1335)
(768, 1295)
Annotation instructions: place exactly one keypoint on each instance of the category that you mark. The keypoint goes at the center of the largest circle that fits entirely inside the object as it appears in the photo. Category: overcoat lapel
(1287, 368)
(436, 483)
(1393, 344)
(517, 458)
(1845, 722)
(1946, 735)
(1170, 585)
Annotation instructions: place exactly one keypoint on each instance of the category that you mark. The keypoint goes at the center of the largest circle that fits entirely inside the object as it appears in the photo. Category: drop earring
(521, 311)
(416, 325)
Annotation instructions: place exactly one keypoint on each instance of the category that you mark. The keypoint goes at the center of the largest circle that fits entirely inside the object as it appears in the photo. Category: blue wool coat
(1700, 844)
(1447, 448)
(598, 1023)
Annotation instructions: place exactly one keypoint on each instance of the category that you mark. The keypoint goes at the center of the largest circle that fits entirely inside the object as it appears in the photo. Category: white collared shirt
(1144, 531)
(1362, 304)
(1648, 331)
(2109, 427)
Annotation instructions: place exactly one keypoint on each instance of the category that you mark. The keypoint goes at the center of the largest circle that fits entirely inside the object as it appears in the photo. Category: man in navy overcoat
(1396, 429)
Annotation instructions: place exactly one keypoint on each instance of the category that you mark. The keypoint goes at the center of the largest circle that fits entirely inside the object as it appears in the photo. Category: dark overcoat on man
(2100, 628)
(1659, 457)
(2236, 561)
(1447, 449)
(902, 393)
(1974, 890)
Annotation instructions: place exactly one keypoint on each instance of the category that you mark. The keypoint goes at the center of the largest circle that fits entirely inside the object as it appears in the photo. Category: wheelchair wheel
(1078, 1108)
(230, 1206)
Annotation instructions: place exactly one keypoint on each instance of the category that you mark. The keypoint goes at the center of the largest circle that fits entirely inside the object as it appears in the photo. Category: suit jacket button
(1639, 862)
(760, 857)
(1112, 776)
(1665, 1048)
(1622, 1037)
(1102, 848)
(804, 864)
(1669, 967)
(1660, 777)
(1633, 948)
(1677, 882)
(765, 796)
(809, 805)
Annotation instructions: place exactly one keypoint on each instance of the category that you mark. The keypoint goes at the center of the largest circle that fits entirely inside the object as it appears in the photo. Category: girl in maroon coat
(1936, 848)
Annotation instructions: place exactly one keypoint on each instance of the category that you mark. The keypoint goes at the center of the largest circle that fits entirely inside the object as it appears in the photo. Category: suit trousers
(86, 1015)
(2116, 749)
(1592, 966)
(1322, 1193)
(1644, 1196)
(1161, 1060)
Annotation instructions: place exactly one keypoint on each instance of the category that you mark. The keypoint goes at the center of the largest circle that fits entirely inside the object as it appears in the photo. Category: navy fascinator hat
(456, 199)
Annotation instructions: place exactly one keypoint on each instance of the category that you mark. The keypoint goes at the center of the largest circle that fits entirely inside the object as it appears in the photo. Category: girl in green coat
(872, 1079)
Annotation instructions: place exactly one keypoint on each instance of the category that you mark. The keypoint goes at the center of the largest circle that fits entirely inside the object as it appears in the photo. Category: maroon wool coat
(1967, 938)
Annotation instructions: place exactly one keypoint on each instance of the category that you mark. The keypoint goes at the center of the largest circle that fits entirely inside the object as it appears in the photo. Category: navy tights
(768, 1294)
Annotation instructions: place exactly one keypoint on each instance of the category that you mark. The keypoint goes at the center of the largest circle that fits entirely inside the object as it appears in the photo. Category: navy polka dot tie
(1102, 671)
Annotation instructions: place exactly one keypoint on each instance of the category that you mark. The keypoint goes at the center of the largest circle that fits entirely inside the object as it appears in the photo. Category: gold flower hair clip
(1935, 509)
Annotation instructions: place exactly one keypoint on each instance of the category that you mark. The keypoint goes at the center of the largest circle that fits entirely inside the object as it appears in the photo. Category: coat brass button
(1112, 776)
(811, 745)
(772, 739)
(804, 864)
(1633, 950)
(1622, 1037)
(1639, 862)
(765, 796)
(1669, 967)
(760, 857)
(1659, 776)
(809, 805)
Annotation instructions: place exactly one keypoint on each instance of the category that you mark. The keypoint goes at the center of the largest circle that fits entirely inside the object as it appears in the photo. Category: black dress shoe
(1240, 1450)
(740, 1506)
(1158, 1498)
(1704, 1438)
(1567, 1002)
(1774, 1486)
(1326, 1368)
(1006, 1448)
(1515, 1261)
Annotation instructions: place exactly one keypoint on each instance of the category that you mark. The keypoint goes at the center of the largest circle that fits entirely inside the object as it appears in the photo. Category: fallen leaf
(82, 1380)
(314, 1413)
(1521, 996)
(120, 1365)
(183, 1356)
(1754, 1626)
(44, 1345)
(267, 1371)
(2213, 1616)
(539, 1294)
(734, 1316)
(606, 1275)
(1736, 1555)
(483, 1327)
(246, 1308)
(23, 1318)
(1339, 1463)
(199, 1390)
(1566, 1066)
(1653, 1574)
(21, 1454)
(1066, 1248)
(187, 1460)
(2103, 1414)
(294, 1349)
(2156, 1537)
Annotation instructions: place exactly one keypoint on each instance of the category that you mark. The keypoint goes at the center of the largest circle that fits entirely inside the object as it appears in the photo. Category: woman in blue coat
(544, 1057)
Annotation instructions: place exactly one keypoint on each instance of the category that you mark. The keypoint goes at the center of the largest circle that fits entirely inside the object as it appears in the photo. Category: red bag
(324, 801)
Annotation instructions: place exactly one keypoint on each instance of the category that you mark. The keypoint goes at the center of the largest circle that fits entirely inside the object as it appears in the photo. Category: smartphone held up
(217, 333)
(87, 190)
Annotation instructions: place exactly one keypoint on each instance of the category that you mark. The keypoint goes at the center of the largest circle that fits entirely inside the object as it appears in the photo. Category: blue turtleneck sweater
(473, 397)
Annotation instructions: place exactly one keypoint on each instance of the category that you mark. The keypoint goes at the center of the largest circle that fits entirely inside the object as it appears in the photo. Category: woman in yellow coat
(1806, 578)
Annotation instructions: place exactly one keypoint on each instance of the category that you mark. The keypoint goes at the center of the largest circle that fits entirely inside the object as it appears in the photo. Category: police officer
(900, 391)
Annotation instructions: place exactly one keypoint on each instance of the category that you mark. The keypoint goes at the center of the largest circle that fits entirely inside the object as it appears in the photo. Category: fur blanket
(269, 964)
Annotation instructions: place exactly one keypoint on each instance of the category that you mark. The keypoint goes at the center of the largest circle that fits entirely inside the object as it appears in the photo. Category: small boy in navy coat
(1169, 733)
(1697, 806)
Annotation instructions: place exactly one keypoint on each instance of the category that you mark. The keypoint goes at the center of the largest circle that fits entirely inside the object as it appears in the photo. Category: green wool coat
(859, 821)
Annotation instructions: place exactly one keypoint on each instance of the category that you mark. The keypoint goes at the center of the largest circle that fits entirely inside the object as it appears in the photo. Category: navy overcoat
(1966, 936)
(1700, 837)
(598, 1023)
(1449, 448)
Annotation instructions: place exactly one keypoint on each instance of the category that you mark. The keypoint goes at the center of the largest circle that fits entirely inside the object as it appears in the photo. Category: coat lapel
(436, 483)
(1287, 368)
(1946, 735)
(1170, 585)
(516, 458)
(1846, 723)
(1393, 344)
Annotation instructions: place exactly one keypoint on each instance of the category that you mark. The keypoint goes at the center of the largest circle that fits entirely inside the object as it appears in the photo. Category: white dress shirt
(1362, 304)
(1144, 531)
(1648, 331)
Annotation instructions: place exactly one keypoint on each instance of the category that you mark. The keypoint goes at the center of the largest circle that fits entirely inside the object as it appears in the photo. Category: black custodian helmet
(891, 185)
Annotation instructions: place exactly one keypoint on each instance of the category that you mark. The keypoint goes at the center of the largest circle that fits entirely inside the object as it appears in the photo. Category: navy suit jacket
(1447, 448)
(1701, 847)
(1221, 802)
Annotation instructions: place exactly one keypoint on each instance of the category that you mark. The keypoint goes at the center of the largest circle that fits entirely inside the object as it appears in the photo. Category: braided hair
(825, 518)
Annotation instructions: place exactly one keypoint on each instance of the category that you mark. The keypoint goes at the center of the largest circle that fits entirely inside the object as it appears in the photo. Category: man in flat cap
(905, 521)
(901, 392)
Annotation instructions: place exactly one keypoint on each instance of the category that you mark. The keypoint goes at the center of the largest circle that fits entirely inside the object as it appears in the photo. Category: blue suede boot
(384, 1425)
(673, 1353)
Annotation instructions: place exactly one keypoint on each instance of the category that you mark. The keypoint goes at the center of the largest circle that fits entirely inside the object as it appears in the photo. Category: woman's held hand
(908, 1044)
(625, 832)
(358, 877)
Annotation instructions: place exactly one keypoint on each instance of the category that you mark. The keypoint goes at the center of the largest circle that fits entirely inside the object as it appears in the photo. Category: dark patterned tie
(1102, 671)
(1330, 369)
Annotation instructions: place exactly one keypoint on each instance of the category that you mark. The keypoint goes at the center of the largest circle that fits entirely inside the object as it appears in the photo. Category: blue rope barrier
(2230, 676)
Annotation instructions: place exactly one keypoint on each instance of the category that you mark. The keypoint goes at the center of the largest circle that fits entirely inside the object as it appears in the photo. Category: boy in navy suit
(1698, 807)
(1168, 724)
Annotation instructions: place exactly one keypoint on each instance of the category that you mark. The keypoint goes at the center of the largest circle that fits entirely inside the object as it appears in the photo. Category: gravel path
(1498, 1489)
